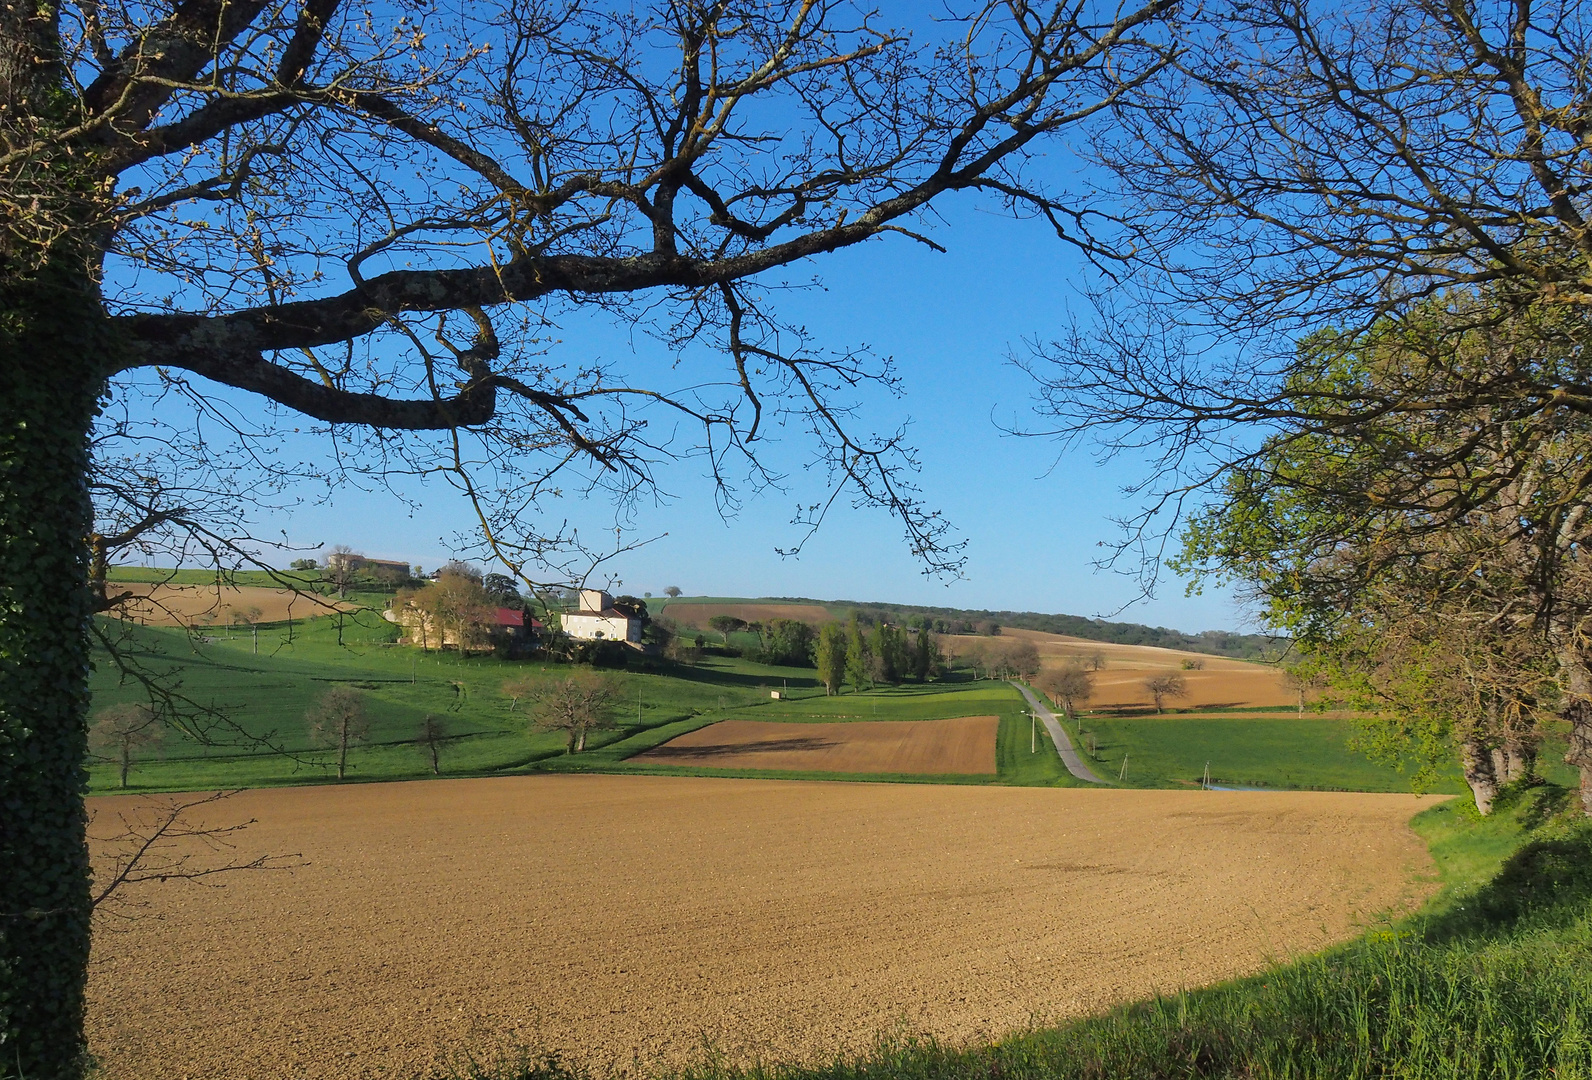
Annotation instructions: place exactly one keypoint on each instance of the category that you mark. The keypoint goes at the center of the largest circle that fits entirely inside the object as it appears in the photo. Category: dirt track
(921, 747)
(627, 918)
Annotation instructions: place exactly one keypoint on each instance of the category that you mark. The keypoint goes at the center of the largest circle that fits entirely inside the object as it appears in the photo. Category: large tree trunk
(51, 355)
(1576, 681)
(1481, 775)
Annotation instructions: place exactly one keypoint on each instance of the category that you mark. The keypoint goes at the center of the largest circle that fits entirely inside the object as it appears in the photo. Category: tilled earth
(626, 921)
(965, 744)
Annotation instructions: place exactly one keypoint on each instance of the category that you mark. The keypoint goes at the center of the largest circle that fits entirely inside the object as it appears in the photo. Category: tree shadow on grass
(1548, 882)
(738, 679)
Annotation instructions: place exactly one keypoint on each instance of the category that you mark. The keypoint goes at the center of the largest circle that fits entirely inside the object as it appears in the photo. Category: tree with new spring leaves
(576, 704)
(858, 655)
(926, 656)
(338, 721)
(376, 219)
(124, 731)
(1359, 298)
(829, 657)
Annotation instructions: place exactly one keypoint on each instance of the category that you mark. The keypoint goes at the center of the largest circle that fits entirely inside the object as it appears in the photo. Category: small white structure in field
(598, 620)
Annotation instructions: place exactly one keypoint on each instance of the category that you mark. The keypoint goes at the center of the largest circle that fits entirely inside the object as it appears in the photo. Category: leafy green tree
(633, 606)
(890, 652)
(786, 642)
(502, 591)
(926, 657)
(829, 655)
(856, 655)
(726, 625)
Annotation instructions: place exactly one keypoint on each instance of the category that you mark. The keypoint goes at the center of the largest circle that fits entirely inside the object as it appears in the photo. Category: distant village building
(348, 561)
(598, 620)
(508, 626)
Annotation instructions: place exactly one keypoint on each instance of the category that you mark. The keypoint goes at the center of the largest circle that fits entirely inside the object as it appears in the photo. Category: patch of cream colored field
(217, 605)
(1218, 683)
(625, 919)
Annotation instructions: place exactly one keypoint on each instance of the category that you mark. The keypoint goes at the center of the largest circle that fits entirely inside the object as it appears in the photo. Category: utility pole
(1033, 731)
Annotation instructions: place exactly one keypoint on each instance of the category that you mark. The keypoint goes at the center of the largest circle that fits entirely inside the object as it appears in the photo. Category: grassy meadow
(1254, 748)
(259, 684)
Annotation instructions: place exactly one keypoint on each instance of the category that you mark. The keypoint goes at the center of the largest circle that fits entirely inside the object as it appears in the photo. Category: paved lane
(1069, 756)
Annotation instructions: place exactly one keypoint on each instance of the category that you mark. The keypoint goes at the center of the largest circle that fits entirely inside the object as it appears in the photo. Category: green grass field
(264, 683)
(265, 695)
(1271, 751)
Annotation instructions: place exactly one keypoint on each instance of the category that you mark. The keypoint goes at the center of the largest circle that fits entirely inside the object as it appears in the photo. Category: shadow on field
(771, 746)
(740, 680)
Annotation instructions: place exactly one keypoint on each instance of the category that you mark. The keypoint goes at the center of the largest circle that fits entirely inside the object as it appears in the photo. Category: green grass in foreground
(1492, 979)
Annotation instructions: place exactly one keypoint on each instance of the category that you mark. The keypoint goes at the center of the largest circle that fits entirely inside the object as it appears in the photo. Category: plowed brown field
(203, 605)
(629, 918)
(924, 747)
(697, 615)
(1120, 684)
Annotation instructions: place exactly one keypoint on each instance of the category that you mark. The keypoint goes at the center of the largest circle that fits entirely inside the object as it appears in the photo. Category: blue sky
(1034, 518)
(1034, 522)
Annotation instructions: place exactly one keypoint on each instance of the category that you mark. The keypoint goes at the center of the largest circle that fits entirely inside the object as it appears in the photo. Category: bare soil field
(627, 920)
(697, 615)
(925, 747)
(1220, 682)
(206, 605)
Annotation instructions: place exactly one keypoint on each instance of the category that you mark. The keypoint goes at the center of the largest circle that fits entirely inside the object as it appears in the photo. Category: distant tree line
(943, 620)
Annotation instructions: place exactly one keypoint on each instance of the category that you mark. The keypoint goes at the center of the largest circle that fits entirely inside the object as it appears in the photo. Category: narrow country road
(1069, 756)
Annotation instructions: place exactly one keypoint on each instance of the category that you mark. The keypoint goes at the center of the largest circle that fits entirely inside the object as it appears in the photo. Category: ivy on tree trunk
(50, 383)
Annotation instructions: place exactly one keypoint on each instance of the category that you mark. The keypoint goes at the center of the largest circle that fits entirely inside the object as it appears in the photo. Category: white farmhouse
(597, 620)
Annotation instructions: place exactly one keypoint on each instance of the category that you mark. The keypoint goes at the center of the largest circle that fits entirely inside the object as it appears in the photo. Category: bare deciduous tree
(576, 704)
(432, 734)
(338, 720)
(1163, 685)
(124, 731)
(1071, 685)
(1367, 241)
(377, 222)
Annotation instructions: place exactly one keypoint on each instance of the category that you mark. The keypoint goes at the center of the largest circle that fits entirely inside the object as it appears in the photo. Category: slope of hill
(686, 610)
